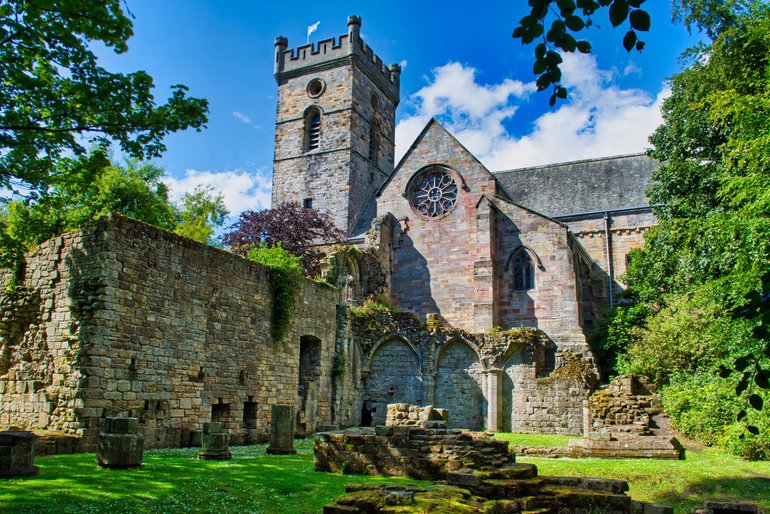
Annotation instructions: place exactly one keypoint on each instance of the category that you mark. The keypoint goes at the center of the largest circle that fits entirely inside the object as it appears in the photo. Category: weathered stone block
(17, 454)
(281, 430)
(121, 450)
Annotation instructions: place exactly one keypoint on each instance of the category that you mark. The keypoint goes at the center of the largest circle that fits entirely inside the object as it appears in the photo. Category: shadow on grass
(175, 481)
(724, 489)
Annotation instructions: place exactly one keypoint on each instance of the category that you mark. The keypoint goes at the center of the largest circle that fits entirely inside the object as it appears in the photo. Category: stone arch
(459, 384)
(393, 375)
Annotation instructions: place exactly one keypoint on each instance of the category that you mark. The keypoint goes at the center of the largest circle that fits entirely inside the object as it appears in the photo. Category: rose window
(434, 193)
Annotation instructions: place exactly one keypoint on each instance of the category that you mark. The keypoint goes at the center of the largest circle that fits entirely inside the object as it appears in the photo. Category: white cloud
(241, 189)
(632, 69)
(242, 117)
(600, 118)
(403, 64)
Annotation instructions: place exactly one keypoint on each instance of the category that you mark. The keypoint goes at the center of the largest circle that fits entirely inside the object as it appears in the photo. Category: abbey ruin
(498, 276)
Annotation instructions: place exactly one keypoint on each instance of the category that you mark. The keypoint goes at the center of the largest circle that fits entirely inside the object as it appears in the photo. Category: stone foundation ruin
(480, 472)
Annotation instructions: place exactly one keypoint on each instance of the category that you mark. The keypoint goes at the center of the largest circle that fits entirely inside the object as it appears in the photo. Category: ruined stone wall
(47, 327)
(624, 405)
(135, 320)
(421, 453)
(512, 381)
(546, 403)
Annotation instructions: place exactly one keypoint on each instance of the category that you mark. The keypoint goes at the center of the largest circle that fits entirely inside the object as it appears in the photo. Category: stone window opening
(307, 203)
(250, 415)
(220, 412)
(374, 140)
(523, 272)
(312, 129)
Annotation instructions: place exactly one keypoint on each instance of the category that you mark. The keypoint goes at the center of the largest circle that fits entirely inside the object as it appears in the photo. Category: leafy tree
(199, 212)
(569, 19)
(54, 97)
(297, 230)
(703, 271)
(88, 187)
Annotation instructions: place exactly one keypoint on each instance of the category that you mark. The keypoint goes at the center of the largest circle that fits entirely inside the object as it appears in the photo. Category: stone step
(578, 498)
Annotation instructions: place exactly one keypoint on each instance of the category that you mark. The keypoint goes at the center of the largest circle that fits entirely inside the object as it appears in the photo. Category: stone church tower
(335, 125)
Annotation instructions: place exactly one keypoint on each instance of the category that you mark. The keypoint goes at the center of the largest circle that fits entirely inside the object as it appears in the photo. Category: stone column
(120, 446)
(588, 418)
(17, 454)
(281, 429)
(494, 399)
(429, 378)
(215, 443)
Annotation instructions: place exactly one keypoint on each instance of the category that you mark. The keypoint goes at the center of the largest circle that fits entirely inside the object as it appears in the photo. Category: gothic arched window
(312, 129)
(523, 272)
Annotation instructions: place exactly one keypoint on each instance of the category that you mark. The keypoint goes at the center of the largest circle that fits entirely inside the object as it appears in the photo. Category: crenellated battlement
(289, 61)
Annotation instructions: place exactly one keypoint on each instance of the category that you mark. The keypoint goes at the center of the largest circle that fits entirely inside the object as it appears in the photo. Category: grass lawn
(707, 474)
(175, 481)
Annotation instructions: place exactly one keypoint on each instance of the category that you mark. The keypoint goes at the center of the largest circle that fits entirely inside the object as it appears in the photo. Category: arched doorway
(307, 384)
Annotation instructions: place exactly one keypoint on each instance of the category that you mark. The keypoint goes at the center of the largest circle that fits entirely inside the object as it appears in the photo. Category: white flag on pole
(312, 28)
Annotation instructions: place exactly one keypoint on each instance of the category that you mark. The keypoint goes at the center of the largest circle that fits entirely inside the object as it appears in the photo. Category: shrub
(285, 271)
(704, 407)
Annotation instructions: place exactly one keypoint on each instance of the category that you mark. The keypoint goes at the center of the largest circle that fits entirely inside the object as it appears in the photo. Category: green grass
(175, 481)
(534, 439)
(708, 474)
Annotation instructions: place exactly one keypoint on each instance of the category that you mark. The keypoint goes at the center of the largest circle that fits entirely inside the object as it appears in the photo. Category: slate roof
(593, 185)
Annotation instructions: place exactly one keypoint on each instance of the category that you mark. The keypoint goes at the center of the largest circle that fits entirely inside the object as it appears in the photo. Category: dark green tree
(56, 100)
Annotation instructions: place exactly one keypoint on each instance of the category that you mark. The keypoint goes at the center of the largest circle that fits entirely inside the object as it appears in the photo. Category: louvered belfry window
(313, 130)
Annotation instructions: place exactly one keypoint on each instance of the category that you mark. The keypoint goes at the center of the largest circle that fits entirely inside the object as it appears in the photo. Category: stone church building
(482, 251)
(498, 276)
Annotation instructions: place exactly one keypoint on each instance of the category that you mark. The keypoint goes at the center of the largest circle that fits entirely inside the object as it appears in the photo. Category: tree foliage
(702, 274)
(296, 229)
(55, 98)
(560, 26)
(91, 186)
(198, 213)
(284, 271)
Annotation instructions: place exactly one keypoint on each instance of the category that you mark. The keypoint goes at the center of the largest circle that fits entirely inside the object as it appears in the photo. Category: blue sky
(460, 65)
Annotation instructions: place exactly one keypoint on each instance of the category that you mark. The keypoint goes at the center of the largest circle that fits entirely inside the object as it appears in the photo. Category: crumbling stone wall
(624, 405)
(551, 403)
(131, 319)
(423, 453)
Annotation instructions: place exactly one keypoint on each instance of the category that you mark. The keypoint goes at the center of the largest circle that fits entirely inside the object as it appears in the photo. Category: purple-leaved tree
(298, 230)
